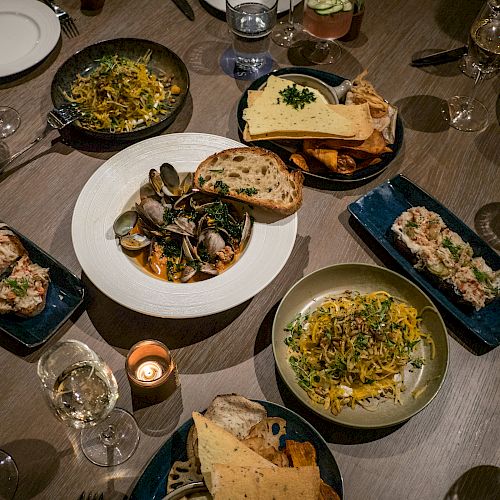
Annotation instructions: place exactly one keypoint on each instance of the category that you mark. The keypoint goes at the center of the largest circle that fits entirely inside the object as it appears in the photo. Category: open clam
(188, 235)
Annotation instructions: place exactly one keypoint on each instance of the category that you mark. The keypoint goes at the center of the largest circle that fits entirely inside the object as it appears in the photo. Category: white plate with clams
(115, 188)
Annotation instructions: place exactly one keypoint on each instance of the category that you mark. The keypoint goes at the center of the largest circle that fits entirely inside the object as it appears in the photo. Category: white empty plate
(29, 30)
(114, 188)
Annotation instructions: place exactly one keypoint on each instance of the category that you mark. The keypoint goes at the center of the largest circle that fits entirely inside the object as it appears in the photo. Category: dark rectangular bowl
(66, 292)
(377, 210)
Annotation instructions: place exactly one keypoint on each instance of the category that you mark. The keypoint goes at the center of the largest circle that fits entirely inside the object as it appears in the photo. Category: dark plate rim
(460, 315)
(139, 132)
(268, 405)
(65, 271)
(315, 407)
(359, 176)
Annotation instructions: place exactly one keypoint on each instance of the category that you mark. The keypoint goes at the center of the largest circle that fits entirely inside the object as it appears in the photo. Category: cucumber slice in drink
(330, 10)
(322, 4)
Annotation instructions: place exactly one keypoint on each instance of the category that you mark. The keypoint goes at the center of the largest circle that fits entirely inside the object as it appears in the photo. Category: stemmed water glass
(82, 391)
(326, 21)
(466, 113)
(285, 32)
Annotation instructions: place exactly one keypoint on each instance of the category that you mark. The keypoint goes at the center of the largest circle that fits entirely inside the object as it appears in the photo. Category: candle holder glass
(151, 371)
(81, 390)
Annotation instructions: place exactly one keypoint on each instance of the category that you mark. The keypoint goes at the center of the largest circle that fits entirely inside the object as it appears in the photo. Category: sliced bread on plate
(252, 175)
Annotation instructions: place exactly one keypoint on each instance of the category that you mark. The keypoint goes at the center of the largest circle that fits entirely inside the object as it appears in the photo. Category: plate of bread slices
(242, 448)
(37, 293)
(349, 138)
(186, 225)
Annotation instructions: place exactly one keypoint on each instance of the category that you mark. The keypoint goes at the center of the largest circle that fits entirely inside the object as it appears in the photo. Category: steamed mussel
(182, 234)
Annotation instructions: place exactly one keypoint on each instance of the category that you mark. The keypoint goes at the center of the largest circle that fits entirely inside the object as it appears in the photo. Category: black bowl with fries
(127, 89)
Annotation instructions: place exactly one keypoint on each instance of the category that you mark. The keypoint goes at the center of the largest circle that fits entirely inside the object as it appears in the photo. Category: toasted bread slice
(252, 175)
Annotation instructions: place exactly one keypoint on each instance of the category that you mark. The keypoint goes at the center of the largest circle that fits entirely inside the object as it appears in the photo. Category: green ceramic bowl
(307, 293)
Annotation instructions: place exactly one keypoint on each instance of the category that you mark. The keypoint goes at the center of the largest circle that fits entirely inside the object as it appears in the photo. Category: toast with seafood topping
(423, 237)
(24, 291)
(252, 175)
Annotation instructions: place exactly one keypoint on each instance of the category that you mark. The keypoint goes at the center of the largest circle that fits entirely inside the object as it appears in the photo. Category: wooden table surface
(450, 448)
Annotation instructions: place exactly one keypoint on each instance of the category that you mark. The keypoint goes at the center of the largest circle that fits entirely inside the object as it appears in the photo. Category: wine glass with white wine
(466, 113)
(82, 391)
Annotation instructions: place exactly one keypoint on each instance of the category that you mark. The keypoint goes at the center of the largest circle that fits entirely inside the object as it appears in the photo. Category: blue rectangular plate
(377, 210)
(65, 294)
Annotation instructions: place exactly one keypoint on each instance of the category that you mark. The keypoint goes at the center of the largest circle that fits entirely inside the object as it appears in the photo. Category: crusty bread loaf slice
(252, 175)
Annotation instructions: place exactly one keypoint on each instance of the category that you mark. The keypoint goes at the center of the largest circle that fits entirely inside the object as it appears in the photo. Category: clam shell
(125, 222)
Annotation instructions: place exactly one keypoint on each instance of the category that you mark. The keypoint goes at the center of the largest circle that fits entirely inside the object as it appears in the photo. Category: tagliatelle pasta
(354, 347)
(120, 95)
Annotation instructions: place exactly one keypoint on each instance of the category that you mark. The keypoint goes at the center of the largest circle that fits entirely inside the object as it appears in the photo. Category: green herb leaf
(201, 181)
(417, 362)
(454, 249)
(251, 191)
(480, 275)
(222, 187)
(20, 288)
(297, 98)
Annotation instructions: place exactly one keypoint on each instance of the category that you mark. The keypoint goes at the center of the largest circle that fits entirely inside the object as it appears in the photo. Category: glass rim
(58, 345)
(236, 3)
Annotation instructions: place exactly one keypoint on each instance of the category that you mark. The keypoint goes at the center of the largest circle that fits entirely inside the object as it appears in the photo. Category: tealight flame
(149, 371)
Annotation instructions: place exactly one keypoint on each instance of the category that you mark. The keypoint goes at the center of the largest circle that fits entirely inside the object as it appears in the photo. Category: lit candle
(151, 371)
(148, 371)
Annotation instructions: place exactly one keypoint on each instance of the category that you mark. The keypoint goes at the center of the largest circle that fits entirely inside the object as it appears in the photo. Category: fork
(91, 496)
(67, 23)
(57, 119)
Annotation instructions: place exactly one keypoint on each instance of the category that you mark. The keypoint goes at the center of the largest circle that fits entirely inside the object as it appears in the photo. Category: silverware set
(67, 22)
(58, 118)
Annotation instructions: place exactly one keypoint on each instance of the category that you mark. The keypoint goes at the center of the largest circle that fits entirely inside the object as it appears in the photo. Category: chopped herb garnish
(411, 223)
(454, 249)
(297, 98)
(217, 170)
(20, 288)
(222, 187)
(480, 275)
(251, 191)
(201, 181)
(417, 362)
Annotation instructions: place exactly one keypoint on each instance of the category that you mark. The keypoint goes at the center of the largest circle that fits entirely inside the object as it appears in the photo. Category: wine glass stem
(290, 14)
(108, 436)
(477, 80)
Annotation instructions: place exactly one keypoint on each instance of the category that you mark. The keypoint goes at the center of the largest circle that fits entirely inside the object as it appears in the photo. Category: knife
(185, 8)
(440, 57)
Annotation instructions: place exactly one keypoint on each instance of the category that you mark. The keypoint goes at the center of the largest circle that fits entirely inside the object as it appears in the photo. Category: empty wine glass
(326, 21)
(466, 113)
(9, 121)
(82, 391)
(9, 476)
(285, 32)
